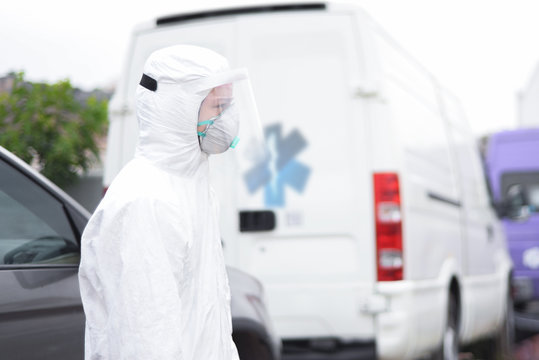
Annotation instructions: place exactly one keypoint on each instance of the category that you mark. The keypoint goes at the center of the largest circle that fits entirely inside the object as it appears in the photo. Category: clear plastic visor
(231, 92)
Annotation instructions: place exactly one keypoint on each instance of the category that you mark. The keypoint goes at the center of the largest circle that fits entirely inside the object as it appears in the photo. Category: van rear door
(306, 229)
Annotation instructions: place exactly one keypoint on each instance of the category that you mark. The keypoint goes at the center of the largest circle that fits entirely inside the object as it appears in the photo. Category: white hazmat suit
(152, 275)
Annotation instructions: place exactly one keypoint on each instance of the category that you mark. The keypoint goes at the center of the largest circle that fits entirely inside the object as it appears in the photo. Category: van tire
(449, 348)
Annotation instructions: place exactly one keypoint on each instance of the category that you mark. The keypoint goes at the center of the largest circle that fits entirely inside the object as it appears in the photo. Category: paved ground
(528, 349)
(527, 325)
(527, 336)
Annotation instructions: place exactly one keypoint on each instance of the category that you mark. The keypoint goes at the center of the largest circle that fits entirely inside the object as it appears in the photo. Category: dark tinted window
(34, 228)
(529, 183)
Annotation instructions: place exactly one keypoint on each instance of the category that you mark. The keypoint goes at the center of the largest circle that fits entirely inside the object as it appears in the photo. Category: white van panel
(479, 236)
(304, 78)
(315, 314)
(483, 276)
(317, 263)
(483, 305)
(114, 159)
(425, 166)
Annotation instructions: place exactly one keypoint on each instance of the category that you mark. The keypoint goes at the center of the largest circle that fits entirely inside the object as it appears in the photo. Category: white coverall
(152, 276)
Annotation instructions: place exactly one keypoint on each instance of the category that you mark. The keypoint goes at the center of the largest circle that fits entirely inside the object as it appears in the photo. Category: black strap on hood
(148, 82)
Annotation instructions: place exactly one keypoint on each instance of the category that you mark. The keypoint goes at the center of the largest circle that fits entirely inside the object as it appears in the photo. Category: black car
(41, 315)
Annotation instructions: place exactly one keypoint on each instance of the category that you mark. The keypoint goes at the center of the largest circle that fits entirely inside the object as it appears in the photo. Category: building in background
(528, 102)
(6, 82)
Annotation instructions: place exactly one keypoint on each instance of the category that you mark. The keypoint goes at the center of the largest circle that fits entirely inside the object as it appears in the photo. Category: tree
(45, 125)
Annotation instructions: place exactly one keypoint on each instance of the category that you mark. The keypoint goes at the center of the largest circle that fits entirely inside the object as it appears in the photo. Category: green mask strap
(235, 142)
(207, 122)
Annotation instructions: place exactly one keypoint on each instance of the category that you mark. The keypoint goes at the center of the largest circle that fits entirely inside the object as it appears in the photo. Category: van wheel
(449, 349)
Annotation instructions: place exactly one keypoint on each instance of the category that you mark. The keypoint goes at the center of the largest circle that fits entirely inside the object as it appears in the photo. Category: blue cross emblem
(279, 168)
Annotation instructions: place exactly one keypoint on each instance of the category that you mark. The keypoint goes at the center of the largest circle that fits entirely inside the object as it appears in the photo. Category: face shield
(228, 117)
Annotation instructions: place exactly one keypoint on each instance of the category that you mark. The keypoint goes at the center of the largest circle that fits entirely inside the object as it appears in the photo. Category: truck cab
(513, 173)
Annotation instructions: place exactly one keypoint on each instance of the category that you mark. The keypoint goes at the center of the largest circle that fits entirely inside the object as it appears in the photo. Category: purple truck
(512, 167)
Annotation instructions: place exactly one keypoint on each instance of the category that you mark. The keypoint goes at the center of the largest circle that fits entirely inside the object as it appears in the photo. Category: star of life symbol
(279, 169)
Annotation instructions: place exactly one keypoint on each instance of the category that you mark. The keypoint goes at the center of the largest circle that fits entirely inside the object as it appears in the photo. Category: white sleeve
(139, 263)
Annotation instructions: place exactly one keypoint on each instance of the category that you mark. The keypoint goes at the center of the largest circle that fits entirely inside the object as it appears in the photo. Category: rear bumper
(302, 350)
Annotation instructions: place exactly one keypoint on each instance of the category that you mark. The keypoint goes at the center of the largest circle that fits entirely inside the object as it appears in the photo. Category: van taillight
(387, 208)
(105, 190)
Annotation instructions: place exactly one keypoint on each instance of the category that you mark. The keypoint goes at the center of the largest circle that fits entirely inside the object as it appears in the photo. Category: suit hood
(167, 116)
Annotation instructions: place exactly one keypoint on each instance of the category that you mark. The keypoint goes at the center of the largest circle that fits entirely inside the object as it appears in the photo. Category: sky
(483, 51)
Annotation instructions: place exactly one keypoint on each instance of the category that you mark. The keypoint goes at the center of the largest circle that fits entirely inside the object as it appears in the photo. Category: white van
(369, 226)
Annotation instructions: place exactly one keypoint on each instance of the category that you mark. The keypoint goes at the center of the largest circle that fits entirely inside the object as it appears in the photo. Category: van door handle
(257, 221)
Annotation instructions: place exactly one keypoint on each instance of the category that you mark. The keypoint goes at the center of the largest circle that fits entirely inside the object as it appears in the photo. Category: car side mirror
(515, 206)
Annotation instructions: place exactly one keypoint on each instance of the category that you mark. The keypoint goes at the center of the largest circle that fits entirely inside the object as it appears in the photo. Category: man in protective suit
(152, 276)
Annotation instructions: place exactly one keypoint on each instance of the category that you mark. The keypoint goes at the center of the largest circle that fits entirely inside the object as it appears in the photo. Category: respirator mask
(220, 131)
(228, 117)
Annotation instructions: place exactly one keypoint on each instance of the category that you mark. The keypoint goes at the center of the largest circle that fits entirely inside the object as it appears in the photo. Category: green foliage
(45, 125)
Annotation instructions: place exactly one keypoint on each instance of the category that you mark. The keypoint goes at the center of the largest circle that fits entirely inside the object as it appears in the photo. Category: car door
(41, 315)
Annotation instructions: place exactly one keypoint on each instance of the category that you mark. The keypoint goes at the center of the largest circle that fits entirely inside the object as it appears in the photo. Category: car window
(528, 183)
(34, 228)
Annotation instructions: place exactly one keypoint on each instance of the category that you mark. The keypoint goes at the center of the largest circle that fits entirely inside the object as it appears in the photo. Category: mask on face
(221, 131)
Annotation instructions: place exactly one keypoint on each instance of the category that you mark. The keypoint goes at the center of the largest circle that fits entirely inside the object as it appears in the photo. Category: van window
(530, 184)
(34, 228)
